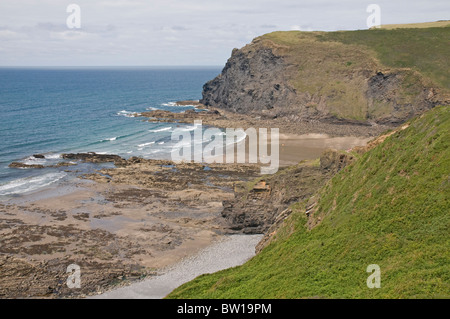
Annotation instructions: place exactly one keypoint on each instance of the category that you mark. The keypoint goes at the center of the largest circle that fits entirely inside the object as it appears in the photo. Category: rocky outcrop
(189, 103)
(92, 157)
(188, 116)
(23, 165)
(252, 80)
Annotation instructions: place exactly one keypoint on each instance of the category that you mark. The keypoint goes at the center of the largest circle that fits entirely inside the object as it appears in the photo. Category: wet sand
(296, 148)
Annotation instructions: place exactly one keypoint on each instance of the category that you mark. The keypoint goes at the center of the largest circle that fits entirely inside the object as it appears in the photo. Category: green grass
(390, 207)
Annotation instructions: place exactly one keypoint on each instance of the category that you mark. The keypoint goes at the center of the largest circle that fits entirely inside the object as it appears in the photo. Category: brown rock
(92, 157)
(22, 165)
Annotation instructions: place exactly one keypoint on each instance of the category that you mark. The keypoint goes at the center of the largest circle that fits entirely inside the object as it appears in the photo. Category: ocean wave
(174, 104)
(154, 151)
(182, 144)
(127, 113)
(31, 160)
(28, 184)
(52, 156)
(145, 144)
(110, 139)
(189, 128)
(161, 129)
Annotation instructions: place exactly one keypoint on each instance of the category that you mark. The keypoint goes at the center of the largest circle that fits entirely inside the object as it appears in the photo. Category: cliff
(365, 77)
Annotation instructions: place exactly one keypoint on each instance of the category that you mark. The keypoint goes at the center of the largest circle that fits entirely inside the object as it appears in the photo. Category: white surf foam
(110, 139)
(34, 161)
(28, 184)
(174, 104)
(146, 144)
(161, 129)
(127, 113)
(48, 159)
(189, 128)
(52, 156)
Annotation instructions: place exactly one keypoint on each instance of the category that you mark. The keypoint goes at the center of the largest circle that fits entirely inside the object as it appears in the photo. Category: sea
(51, 111)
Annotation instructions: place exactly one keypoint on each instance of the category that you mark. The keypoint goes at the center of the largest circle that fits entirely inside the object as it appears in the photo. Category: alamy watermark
(374, 19)
(374, 280)
(220, 146)
(73, 21)
(74, 279)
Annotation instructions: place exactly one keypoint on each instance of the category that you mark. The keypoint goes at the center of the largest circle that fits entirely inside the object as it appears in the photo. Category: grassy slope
(390, 207)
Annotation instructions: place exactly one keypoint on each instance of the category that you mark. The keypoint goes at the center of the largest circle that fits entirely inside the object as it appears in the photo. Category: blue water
(54, 111)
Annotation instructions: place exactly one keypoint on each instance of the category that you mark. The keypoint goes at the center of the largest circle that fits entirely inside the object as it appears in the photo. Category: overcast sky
(176, 32)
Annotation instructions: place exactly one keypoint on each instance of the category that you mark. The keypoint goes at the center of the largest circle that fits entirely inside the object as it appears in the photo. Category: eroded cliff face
(318, 81)
(251, 81)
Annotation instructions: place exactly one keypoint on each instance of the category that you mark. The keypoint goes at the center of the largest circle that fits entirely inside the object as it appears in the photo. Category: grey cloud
(179, 28)
(48, 26)
(268, 26)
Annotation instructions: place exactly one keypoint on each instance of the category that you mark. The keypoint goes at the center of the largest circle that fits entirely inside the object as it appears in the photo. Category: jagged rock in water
(94, 157)
(22, 165)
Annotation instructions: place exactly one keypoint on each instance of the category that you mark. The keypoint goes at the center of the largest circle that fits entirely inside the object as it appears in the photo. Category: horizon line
(111, 66)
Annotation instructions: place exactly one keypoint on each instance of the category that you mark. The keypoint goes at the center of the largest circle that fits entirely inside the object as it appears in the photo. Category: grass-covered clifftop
(390, 208)
(422, 49)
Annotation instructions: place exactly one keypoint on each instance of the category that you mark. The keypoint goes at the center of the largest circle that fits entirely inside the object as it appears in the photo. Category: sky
(176, 32)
